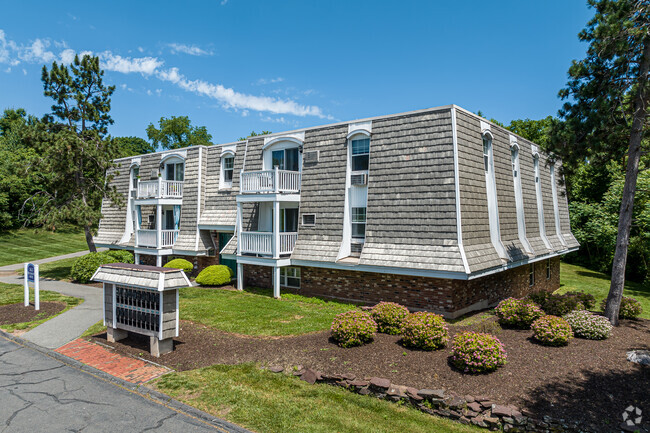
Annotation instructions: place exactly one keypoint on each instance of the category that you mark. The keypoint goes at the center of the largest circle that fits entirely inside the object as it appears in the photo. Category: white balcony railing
(149, 238)
(262, 243)
(160, 189)
(270, 181)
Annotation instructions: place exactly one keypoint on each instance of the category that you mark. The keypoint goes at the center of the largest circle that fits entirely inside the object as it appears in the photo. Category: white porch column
(276, 230)
(276, 282)
(238, 229)
(136, 258)
(159, 261)
(158, 225)
(137, 223)
(240, 277)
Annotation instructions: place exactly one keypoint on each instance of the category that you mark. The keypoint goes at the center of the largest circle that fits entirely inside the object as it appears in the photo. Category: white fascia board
(359, 128)
(130, 285)
(180, 153)
(152, 251)
(156, 201)
(217, 228)
(229, 256)
(187, 252)
(114, 246)
(95, 273)
(447, 275)
(230, 149)
(516, 264)
(459, 227)
(257, 198)
(262, 261)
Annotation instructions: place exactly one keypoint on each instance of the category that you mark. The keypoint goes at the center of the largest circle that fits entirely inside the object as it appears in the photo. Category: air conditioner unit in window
(308, 220)
(359, 179)
(356, 247)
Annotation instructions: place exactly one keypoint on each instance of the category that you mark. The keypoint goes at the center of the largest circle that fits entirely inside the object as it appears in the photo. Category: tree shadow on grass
(597, 399)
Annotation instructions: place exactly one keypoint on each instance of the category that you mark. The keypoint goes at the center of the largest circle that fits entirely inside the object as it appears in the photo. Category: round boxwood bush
(121, 256)
(215, 275)
(476, 352)
(85, 266)
(426, 331)
(353, 328)
(519, 313)
(586, 324)
(181, 264)
(552, 331)
(389, 317)
(630, 308)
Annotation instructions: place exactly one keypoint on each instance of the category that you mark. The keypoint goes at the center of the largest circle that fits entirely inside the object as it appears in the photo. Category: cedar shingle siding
(412, 209)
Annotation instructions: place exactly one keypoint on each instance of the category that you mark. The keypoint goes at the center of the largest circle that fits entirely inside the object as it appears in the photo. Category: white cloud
(223, 2)
(263, 81)
(127, 65)
(141, 49)
(67, 56)
(192, 50)
(233, 99)
(37, 52)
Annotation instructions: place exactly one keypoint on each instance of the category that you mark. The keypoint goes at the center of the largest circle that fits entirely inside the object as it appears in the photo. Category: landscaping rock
(413, 394)
(379, 383)
(475, 406)
(463, 420)
(432, 394)
(454, 414)
(332, 377)
(357, 383)
(481, 398)
(442, 412)
(364, 391)
(455, 403)
(487, 404)
(276, 369)
(479, 421)
(501, 411)
(639, 356)
(310, 376)
(348, 376)
(469, 399)
(397, 390)
(491, 421)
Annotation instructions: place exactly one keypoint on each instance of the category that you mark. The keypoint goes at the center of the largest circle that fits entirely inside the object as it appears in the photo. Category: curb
(140, 390)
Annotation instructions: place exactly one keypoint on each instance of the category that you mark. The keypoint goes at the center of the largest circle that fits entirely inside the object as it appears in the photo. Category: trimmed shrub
(630, 308)
(559, 305)
(586, 324)
(353, 328)
(389, 317)
(426, 331)
(519, 313)
(181, 264)
(121, 256)
(476, 352)
(215, 275)
(552, 331)
(85, 266)
(232, 273)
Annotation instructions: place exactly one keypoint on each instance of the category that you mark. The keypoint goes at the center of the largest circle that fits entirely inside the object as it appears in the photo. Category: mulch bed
(18, 313)
(590, 381)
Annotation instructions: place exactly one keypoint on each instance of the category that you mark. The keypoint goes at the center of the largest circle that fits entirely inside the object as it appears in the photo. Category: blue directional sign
(30, 273)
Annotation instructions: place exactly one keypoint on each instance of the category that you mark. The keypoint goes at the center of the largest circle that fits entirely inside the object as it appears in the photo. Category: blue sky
(236, 65)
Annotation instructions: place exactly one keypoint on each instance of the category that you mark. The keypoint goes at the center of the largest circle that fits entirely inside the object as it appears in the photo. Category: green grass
(256, 312)
(97, 328)
(24, 245)
(58, 270)
(14, 293)
(267, 402)
(574, 277)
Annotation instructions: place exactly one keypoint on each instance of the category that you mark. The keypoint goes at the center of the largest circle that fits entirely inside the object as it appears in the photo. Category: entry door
(223, 240)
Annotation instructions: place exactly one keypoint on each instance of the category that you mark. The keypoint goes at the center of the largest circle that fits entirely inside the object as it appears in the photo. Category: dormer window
(286, 159)
(135, 173)
(227, 171)
(486, 153)
(175, 171)
(360, 154)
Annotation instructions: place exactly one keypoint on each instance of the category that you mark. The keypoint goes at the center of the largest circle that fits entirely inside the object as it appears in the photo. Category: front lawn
(14, 294)
(262, 401)
(256, 312)
(25, 245)
(58, 270)
(574, 277)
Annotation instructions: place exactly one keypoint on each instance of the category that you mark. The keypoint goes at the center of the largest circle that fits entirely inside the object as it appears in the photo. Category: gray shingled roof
(150, 277)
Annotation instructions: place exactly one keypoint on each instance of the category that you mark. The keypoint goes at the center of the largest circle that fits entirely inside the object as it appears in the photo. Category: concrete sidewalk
(19, 266)
(70, 325)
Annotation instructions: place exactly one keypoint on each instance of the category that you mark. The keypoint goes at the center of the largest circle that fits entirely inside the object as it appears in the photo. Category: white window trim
(280, 144)
(556, 207)
(284, 278)
(365, 222)
(519, 200)
(491, 190)
(540, 205)
(223, 184)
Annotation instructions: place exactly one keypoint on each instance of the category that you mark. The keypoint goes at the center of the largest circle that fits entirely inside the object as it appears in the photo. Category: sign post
(31, 276)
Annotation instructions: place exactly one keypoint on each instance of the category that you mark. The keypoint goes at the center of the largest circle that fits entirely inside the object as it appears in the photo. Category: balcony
(270, 182)
(149, 238)
(262, 243)
(160, 189)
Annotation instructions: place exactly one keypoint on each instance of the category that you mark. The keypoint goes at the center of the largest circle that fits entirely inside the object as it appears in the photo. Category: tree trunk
(627, 203)
(89, 239)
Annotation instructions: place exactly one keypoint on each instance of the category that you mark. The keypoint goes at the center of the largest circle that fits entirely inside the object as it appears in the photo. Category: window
(289, 220)
(174, 171)
(540, 205)
(556, 207)
(360, 154)
(519, 201)
(486, 153)
(290, 277)
(286, 159)
(227, 169)
(135, 172)
(548, 269)
(531, 274)
(309, 220)
(358, 222)
(491, 192)
(514, 157)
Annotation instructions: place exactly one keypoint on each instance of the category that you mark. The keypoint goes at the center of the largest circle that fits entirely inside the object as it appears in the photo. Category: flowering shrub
(519, 313)
(552, 331)
(353, 328)
(475, 352)
(586, 324)
(630, 308)
(389, 317)
(426, 331)
(559, 305)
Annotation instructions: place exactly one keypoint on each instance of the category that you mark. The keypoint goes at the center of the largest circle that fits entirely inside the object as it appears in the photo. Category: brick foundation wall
(450, 297)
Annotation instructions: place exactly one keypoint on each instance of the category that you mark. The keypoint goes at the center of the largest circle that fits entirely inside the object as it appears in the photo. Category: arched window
(173, 168)
(491, 190)
(540, 204)
(556, 208)
(519, 201)
(227, 170)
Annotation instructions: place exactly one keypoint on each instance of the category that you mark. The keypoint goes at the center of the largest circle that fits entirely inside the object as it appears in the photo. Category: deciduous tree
(177, 132)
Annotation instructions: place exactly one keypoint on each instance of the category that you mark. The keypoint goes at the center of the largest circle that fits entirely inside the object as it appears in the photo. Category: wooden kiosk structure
(141, 299)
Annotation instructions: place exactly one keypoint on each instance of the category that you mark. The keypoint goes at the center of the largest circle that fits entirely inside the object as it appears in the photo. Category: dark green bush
(121, 256)
(630, 308)
(215, 275)
(84, 267)
(181, 264)
(559, 305)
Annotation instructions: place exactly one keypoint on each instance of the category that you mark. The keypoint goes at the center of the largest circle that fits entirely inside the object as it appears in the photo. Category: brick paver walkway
(130, 369)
